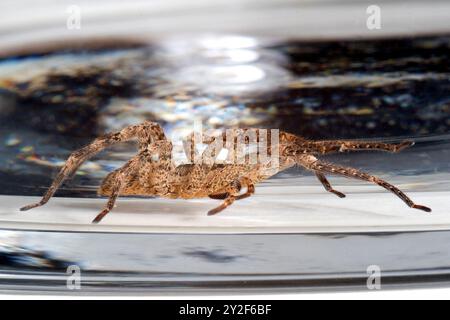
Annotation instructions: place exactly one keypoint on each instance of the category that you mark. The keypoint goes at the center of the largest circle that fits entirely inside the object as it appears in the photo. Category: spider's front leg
(119, 179)
(145, 133)
(312, 163)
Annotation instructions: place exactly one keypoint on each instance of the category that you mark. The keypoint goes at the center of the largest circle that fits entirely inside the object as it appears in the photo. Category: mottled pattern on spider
(152, 171)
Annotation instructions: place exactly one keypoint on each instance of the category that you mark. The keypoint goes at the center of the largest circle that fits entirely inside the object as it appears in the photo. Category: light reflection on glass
(228, 42)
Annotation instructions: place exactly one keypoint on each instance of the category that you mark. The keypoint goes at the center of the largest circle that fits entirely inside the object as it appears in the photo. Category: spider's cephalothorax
(152, 171)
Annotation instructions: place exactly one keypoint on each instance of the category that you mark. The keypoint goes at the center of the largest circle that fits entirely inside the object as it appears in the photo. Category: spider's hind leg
(342, 146)
(312, 163)
(327, 185)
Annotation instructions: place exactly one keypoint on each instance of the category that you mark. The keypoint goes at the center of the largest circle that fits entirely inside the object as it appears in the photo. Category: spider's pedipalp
(312, 163)
(145, 132)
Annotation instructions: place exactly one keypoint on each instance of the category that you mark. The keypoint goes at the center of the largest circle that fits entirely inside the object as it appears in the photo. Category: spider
(152, 172)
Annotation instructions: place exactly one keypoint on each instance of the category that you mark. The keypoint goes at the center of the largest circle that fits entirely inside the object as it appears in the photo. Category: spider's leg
(341, 146)
(219, 196)
(312, 163)
(232, 194)
(111, 201)
(145, 132)
(327, 185)
(227, 202)
(120, 177)
(250, 189)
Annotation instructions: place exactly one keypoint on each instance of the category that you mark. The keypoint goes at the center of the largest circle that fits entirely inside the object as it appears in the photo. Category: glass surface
(61, 89)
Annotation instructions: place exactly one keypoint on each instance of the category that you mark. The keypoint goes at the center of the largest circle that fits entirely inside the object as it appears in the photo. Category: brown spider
(152, 171)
